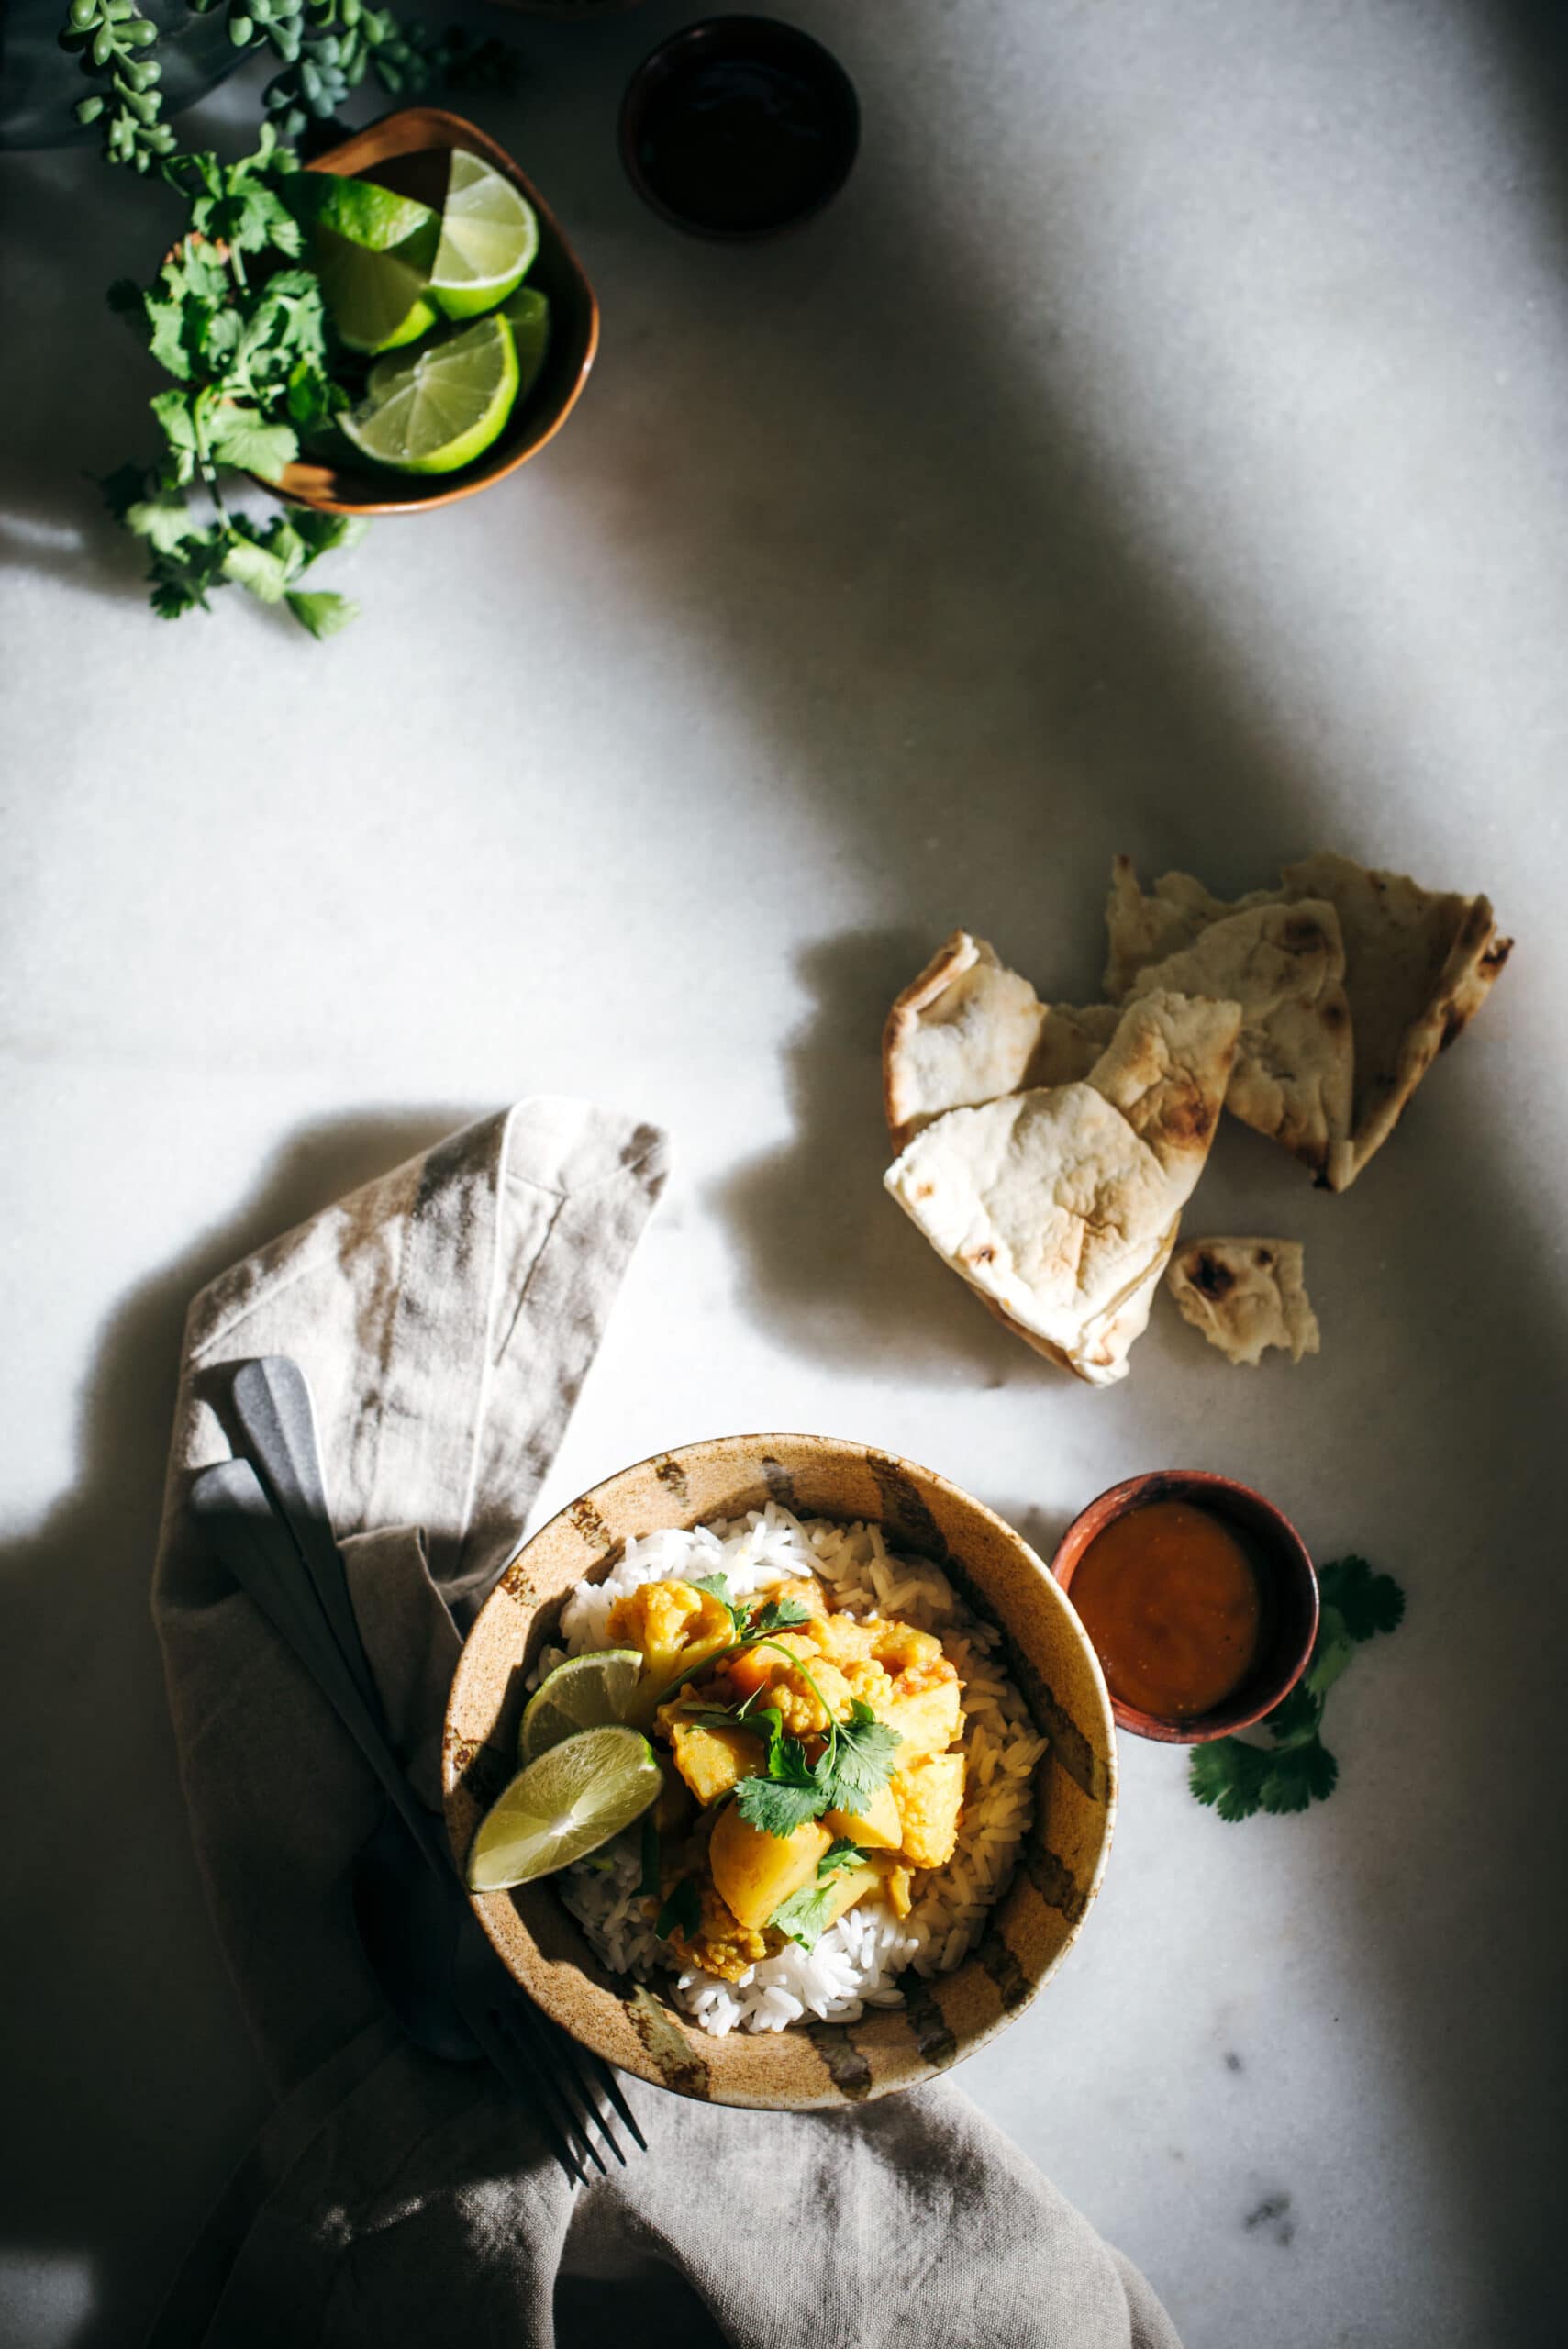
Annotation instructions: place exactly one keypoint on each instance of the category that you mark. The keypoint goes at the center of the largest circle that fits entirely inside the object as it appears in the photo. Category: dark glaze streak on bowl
(846, 2067)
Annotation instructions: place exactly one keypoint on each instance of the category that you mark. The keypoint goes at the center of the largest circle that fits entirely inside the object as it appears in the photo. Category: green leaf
(682, 1911)
(240, 438)
(164, 521)
(776, 1615)
(1331, 1652)
(321, 611)
(256, 568)
(858, 1761)
(1228, 1775)
(717, 1586)
(174, 414)
(1296, 1716)
(1298, 1776)
(324, 532)
(1367, 1603)
(803, 1916)
(790, 1794)
(123, 488)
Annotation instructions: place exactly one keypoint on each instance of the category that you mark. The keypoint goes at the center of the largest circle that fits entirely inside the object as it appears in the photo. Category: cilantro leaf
(1332, 1653)
(321, 610)
(857, 1762)
(1365, 1602)
(776, 1615)
(803, 1916)
(1228, 1776)
(682, 1911)
(1295, 1717)
(789, 1794)
(717, 1586)
(241, 438)
(164, 521)
(1297, 1777)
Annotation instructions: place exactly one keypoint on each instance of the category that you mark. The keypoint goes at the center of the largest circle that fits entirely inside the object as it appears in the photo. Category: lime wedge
(377, 300)
(431, 410)
(564, 1806)
(526, 312)
(489, 236)
(586, 1692)
(362, 212)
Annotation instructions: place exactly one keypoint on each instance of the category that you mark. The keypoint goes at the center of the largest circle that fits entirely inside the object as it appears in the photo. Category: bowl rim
(1204, 1485)
(635, 94)
(1105, 1751)
(347, 160)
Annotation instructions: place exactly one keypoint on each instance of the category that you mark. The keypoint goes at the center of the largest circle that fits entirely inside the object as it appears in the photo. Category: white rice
(858, 1961)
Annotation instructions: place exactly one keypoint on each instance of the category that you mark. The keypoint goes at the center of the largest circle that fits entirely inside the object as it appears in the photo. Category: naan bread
(1418, 966)
(1060, 1204)
(969, 1030)
(1418, 963)
(1285, 966)
(1245, 1294)
(962, 1034)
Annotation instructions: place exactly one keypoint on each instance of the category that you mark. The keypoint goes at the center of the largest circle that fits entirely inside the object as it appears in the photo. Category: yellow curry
(845, 1725)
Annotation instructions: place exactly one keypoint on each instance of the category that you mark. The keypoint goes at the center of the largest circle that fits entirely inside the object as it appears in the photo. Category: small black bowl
(738, 128)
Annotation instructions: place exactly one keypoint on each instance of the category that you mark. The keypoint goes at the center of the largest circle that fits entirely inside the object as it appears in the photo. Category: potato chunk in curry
(930, 1796)
(755, 1872)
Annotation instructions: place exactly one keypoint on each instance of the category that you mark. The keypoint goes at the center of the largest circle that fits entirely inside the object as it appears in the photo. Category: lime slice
(441, 407)
(362, 212)
(564, 1806)
(489, 236)
(377, 300)
(526, 312)
(585, 1692)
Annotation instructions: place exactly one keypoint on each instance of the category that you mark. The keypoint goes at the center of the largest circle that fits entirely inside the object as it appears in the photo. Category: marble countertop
(1163, 446)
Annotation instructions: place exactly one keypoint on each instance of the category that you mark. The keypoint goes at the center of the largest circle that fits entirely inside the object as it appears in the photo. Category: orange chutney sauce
(1170, 1600)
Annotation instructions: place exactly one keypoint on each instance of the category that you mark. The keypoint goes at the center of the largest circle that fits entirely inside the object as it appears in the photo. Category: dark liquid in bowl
(739, 145)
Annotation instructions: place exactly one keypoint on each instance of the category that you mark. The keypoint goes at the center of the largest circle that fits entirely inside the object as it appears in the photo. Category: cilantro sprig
(244, 335)
(856, 1760)
(803, 1916)
(1238, 1779)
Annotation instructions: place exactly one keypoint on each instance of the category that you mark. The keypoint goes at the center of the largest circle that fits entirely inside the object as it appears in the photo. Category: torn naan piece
(1418, 963)
(968, 1030)
(1418, 966)
(1060, 1204)
(1245, 1294)
(1284, 964)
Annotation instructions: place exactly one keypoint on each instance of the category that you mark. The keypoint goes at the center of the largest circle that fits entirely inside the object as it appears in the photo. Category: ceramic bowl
(1030, 1929)
(1288, 1588)
(405, 151)
(740, 45)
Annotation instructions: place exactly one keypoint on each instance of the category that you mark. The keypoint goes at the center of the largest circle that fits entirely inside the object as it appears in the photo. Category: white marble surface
(1163, 446)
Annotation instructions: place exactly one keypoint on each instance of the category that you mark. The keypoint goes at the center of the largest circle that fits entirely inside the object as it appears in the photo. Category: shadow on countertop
(104, 1940)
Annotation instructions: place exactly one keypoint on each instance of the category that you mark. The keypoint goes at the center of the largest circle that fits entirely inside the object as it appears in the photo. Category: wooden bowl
(1287, 1586)
(1032, 1925)
(405, 152)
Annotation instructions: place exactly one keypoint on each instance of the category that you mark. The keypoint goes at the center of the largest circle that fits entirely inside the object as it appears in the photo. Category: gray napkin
(445, 1317)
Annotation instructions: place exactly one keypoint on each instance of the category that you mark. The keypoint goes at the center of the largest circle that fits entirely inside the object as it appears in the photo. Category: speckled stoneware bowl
(1031, 1927)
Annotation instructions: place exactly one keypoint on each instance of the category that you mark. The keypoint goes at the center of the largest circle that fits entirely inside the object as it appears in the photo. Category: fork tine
(520, 2025)
(613, 2090)
(527, 2081)
(593, 2074)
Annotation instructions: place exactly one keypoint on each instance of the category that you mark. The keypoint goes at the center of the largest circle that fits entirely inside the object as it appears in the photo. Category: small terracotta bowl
(1288, 1589)
(1030, 1928)
(405, 152)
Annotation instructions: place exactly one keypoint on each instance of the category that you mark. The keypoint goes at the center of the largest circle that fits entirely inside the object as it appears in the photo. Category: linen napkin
(446, 1316)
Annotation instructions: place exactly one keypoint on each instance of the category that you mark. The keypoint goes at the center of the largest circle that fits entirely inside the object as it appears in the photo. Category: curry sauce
(1171, 1602)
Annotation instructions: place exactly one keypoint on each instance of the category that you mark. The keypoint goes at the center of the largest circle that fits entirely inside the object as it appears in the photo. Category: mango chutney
(1171, 1602)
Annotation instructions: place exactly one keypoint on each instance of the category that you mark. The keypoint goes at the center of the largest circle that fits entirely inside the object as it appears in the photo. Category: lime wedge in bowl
(586, 1692)
(372, 218)
(434, 409)
(564, 1806)
(489, 238)
(376, 300)
(526, 312)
